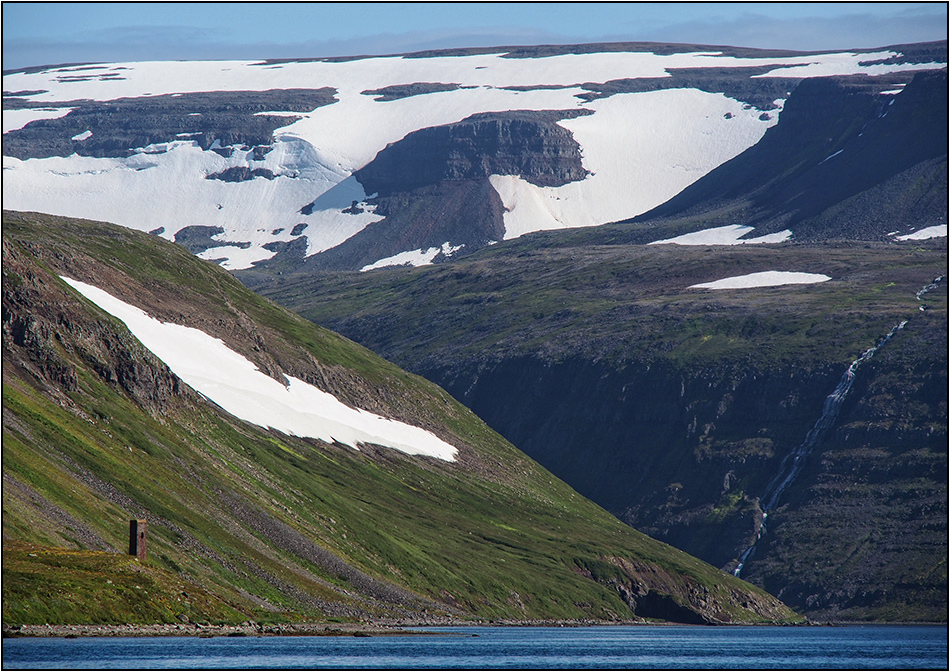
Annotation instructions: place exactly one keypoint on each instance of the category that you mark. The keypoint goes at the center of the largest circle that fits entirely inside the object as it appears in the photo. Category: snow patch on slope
(938, 231)
(724, 235)
(764, 279)
(414, 257)
(16, 119)
(233, 382)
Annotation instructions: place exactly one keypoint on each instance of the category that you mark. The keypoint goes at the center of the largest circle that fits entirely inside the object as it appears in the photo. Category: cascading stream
(792, 465)
(933, 285)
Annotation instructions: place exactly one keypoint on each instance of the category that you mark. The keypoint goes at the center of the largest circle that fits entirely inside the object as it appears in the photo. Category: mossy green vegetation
(270, 526)
(63, 586)
(545, 296)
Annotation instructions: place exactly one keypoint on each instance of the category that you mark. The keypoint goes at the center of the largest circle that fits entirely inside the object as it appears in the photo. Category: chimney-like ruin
(137, 539)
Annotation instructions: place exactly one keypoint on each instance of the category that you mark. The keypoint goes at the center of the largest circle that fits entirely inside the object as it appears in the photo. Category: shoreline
(322, 629)
(208, 631)
(385, 628)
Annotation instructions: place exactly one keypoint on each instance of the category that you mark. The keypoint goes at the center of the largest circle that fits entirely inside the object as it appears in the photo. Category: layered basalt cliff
(525, 143)
(681, 454)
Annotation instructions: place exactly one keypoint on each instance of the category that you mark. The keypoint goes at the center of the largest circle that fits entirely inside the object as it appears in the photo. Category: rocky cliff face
(525, 143)
(675, 409)
(681, 454)
(868, 512)
(466, 214)
(686, 455)
(43, 326)
(432, 188)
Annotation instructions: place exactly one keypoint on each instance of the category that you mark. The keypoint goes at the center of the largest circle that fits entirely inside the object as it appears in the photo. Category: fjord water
(620, 647)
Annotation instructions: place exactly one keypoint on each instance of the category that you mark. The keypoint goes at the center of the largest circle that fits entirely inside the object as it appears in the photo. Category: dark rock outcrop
(44, 325)
(737, 83)
(121, 126)
(525, 143)
(467, 214)
(197, 239)
(844, 161)
(399, 91)
(241, 174)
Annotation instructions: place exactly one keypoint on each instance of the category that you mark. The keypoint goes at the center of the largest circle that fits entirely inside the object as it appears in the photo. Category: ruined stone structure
(137, 539)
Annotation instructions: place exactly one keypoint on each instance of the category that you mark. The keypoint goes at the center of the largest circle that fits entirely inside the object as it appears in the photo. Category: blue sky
(53, 33)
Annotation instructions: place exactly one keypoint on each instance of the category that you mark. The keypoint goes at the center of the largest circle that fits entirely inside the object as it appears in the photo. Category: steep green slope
(97, 431)
(674, 407)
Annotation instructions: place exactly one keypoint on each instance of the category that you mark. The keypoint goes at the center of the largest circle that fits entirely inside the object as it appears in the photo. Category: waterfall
(792, 464)
(927, 288)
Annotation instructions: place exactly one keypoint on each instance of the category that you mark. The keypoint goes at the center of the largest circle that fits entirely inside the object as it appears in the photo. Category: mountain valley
(704, 287)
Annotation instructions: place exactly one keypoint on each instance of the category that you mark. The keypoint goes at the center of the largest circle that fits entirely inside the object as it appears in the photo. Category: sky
(79, 32)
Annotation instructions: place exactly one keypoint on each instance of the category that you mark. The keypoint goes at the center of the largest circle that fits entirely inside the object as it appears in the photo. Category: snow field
(232, 382)
(640, 148)
(154, 78)
(764, 279)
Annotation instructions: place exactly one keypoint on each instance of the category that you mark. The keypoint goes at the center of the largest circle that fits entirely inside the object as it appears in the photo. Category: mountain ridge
(276, 156)
(905, 131)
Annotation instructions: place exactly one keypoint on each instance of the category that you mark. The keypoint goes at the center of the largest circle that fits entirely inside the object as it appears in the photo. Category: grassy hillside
(267, 526)
(565, 294)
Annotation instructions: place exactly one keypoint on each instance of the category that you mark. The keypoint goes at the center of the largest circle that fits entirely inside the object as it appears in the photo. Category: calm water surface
(625, 647)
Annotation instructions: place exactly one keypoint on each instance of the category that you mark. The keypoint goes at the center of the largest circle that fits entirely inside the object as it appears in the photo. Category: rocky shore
(251, 629)
(247, 629)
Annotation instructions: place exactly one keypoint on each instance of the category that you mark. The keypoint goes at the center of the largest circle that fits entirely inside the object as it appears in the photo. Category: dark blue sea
(626, 647)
